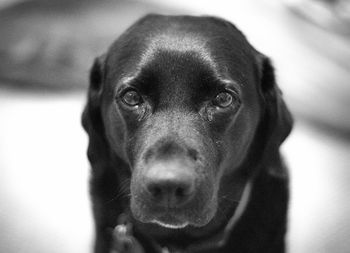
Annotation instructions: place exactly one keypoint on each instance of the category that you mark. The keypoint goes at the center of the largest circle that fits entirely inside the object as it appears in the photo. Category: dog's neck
(123, 234)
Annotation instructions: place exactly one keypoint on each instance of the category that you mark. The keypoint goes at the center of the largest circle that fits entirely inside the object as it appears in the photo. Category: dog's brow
(127, 80)
(231, 84)
(228, 82)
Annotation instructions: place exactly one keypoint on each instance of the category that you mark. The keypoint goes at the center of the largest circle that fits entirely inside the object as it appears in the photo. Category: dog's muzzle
(172, 191)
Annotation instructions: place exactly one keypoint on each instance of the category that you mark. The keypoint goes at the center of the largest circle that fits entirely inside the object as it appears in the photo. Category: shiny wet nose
(170, 183)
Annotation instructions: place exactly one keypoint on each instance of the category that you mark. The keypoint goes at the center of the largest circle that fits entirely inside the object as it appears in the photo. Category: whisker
(226, 199)
(123, 190)
(229, 199)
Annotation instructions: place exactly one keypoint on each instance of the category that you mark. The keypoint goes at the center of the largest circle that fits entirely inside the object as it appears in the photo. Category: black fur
(179, 62)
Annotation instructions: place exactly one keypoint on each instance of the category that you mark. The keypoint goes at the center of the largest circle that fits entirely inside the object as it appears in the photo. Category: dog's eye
(132, 98)
(223, 99)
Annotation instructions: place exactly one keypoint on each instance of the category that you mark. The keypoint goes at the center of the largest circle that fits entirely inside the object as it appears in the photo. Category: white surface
(44, 175)
(320, 204)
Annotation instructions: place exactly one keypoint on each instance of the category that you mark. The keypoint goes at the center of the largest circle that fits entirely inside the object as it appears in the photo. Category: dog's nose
(170, 183)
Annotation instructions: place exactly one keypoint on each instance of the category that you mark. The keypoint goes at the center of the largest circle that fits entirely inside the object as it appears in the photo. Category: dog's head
(191, 108)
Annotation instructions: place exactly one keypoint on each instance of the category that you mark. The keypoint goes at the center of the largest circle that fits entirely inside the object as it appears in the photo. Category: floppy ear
(98, 149)
(104, 181)
(277, 120)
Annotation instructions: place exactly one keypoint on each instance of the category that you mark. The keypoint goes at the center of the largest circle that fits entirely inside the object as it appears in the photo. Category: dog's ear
(277, 120)
(104, 181)
(92, 117)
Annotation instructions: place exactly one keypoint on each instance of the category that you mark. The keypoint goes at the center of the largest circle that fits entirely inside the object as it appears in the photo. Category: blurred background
(46, 49)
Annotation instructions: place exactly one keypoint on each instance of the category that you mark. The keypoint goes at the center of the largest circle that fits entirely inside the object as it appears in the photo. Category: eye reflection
(132, 98)
(223, 99)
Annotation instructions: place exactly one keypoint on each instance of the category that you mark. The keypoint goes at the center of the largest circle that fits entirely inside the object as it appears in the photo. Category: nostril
(155, 190)
(192, 153)
(184, 189)
(180, 192)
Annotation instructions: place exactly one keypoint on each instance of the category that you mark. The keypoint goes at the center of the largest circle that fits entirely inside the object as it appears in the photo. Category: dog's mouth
(173, 221)
(196, 214)
(170, 221)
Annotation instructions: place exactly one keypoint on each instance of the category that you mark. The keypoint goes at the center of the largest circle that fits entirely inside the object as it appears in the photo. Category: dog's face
(181, 100)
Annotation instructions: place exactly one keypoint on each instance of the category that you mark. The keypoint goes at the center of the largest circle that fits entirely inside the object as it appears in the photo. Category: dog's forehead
(183, 44)
(214, 44)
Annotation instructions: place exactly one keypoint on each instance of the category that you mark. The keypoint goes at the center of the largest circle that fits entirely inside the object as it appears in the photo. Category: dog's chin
(174, 219)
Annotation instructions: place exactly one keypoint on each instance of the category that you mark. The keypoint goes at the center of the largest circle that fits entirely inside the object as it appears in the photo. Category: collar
(125, 242)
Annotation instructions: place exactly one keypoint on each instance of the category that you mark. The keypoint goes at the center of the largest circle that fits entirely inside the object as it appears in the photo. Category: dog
(185, 121)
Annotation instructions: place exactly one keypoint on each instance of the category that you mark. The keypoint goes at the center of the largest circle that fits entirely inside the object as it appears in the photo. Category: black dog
(185, 122)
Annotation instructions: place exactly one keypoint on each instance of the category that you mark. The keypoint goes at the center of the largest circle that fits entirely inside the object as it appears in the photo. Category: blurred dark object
(333, 15)
(51, 44)
(318, 34)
